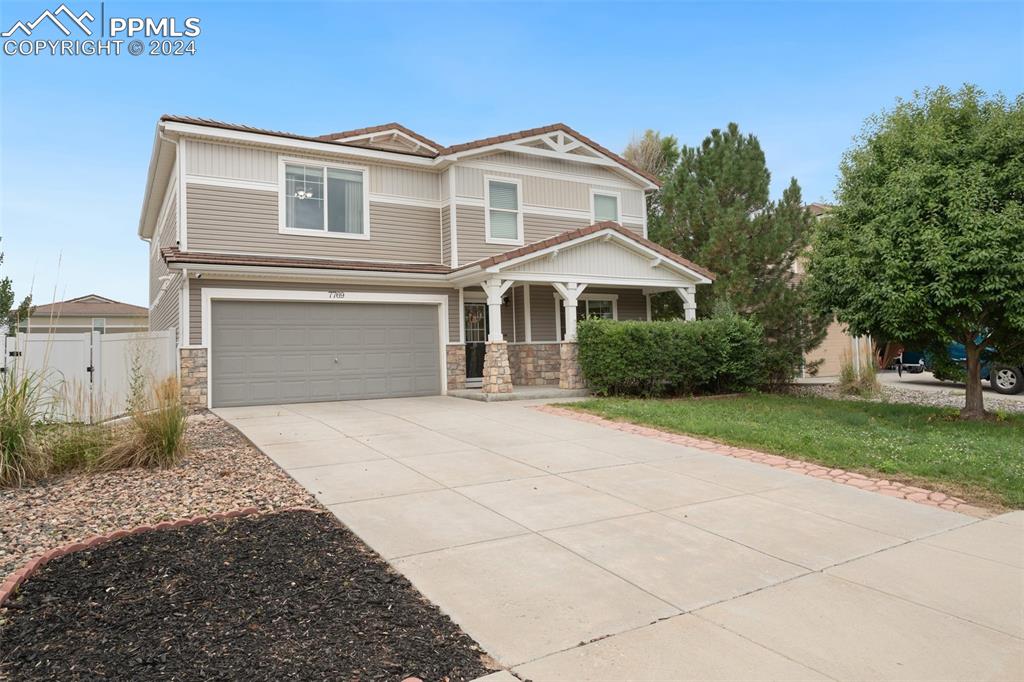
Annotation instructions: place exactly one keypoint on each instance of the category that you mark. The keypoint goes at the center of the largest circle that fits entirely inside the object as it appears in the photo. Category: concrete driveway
(575, 552)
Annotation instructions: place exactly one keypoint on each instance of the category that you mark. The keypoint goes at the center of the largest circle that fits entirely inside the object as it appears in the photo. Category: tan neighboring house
(87, 314)
(378, 263)
(838, 344)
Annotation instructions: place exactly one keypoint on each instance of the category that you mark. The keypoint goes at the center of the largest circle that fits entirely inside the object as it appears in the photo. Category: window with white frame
(602, 308)
(504, 218)
(99, 324)
(325, 199)
(605, 206)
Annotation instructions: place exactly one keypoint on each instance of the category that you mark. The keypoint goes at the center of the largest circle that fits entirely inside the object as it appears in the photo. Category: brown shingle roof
(583, 232)
(91, 305)
(171, 254)
(441, 151)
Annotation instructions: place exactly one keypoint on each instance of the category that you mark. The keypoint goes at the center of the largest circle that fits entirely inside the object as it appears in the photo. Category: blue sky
(76, 132)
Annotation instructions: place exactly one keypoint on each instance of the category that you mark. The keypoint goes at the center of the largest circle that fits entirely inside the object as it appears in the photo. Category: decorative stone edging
(931, 498)
(14, 580)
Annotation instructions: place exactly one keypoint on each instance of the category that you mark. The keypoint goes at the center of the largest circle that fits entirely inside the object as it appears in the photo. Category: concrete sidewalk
(574, 552)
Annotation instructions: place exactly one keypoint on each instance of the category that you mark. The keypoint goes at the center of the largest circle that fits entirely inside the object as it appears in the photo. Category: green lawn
(982, 462)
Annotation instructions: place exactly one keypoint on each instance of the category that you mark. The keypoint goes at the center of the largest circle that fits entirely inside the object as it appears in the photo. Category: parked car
(909, 361)
(1003, 378)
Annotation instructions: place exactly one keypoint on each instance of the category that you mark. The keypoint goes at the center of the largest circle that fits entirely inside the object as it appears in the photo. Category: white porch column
(570, 294)
(495, 289)
(689, 296)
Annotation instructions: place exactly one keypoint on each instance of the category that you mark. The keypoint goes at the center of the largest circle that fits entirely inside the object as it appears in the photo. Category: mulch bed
(222, 472)
(290, 595)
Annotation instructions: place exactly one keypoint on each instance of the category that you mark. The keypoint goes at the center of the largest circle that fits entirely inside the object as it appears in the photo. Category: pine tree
(715, 210)
(9, 314)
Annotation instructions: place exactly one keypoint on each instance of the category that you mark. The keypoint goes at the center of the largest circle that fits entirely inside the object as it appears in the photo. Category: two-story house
(377, 263)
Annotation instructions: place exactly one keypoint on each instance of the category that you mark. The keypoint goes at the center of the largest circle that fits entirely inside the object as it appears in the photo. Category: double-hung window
(327, 199)
(504, 215)
(605, 206)
(603, 308)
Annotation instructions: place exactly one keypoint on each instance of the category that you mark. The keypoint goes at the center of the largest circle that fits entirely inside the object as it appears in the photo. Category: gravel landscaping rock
(939, 398)
(222, 472)
(291, 595)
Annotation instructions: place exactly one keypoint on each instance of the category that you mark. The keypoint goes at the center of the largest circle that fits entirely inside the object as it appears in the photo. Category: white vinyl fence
(88, 376)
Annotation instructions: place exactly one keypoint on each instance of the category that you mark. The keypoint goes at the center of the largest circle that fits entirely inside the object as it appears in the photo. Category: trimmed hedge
(723, 354)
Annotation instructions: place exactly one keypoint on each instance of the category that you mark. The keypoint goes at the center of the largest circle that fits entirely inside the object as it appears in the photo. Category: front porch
(519, 310)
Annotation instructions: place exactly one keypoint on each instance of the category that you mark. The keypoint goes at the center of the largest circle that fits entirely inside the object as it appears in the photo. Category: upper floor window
(99, 324)
(605, 206)
(504, 216)
(326, 199)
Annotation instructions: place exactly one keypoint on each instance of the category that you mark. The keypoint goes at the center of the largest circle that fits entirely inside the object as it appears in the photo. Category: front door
(476, 334)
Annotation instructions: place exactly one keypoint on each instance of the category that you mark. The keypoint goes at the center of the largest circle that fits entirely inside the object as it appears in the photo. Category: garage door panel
(271, 352)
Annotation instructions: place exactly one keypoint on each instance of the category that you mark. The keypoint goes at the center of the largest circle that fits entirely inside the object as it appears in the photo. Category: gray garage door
(272, 352)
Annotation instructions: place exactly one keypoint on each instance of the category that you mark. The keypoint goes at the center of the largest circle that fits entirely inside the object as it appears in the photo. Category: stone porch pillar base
(193, 373)
(455, 355)
(497, 373)
(570, 375)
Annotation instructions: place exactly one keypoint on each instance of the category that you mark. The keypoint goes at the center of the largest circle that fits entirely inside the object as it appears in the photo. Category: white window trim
(605, 193)
(209, 295)
(518, 241)
(282, 226)
(103, 327)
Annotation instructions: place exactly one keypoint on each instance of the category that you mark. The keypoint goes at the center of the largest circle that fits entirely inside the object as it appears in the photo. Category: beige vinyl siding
(632, 304)
(164, 314)
(472, 241)
(548, 192)
(239, 220)
(196, 287)
(519, 313)
(446, 235)
(835, 347)
(542, 313)
(167, 235)
(259, 164)
(550, 165)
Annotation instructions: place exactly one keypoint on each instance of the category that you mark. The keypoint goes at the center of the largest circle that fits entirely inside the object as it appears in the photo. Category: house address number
(336, 294)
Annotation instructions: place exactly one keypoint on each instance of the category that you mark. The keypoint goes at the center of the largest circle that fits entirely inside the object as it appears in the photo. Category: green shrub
(155, 435)
(21, 406)
(73, 446)
(721, 354)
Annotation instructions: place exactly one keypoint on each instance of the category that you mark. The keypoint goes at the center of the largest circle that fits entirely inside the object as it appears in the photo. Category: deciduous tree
(926, 245)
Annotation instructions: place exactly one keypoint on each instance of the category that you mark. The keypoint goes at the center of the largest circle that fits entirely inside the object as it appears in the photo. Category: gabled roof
(346, 138)
(573, 235)
(90, 305)
(350, 136)
(172, 255)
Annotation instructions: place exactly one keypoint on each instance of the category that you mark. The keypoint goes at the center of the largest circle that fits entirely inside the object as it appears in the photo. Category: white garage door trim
(339, 296)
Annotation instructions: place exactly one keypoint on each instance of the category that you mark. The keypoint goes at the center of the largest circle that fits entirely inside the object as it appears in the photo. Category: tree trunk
(974, 407)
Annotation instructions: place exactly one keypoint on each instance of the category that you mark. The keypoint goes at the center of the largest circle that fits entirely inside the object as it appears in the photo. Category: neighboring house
(838, 345)
(86, 314)
(378, 263)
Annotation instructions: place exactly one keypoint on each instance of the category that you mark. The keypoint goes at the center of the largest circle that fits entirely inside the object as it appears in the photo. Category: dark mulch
(292, 595)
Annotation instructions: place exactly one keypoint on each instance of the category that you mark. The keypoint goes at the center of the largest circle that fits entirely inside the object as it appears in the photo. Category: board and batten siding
(241, 220)
(473, 245)
(258, 164)
(550, 165)
(196, 287)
